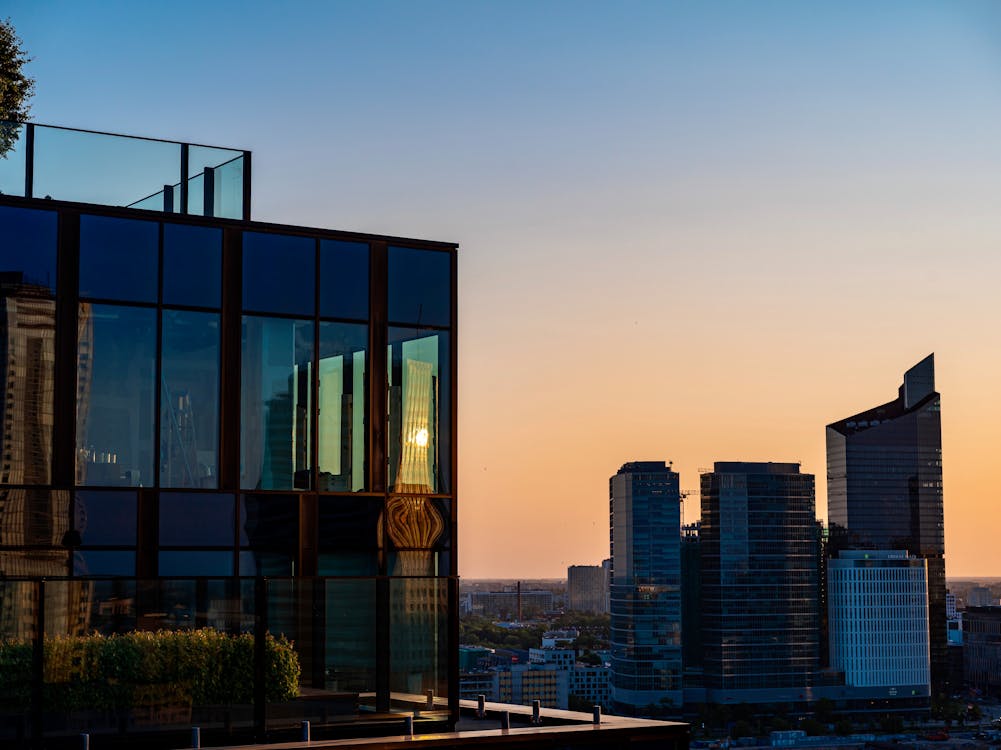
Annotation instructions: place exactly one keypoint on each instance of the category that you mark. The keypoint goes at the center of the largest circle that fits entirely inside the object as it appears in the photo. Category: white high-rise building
(878, 616)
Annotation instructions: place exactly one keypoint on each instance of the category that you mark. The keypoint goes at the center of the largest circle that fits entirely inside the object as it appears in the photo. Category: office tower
(884, 489)
(586, 588)
(691, 597)
(645, 530)
(980, 596)
(760, 623)
(878, 620)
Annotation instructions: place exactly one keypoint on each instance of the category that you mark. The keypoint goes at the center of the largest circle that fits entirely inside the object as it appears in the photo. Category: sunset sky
(689, 231)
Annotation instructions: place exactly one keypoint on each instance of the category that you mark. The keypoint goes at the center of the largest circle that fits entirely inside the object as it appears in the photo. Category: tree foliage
(16, 88)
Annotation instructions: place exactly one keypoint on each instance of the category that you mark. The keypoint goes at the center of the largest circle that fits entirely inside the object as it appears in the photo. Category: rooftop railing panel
(45, 161)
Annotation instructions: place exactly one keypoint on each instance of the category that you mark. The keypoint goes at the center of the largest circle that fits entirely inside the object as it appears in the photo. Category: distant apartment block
(878, 620)
(587, 588)
(980, 596)
(511, 605)
(982, 649)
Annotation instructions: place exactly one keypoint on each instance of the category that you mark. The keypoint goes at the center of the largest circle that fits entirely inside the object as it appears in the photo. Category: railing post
(408, 726)
(196, 737)
(305, 732)
(596, 714)
(29, 160)
(208, 192)
(184, 178)
(536, 711)
(168, 199)
(505, 719)
(481, 706)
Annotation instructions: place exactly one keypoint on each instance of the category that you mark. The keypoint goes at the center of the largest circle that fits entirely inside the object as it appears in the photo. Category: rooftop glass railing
(45, 161)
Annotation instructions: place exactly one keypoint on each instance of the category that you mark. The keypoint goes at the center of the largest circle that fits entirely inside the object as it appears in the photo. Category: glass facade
(235, 427)
(884, 491)
(760, 616)
(645, 524)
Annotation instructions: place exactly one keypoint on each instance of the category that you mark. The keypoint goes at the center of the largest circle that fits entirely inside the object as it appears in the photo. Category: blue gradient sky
(690, 231)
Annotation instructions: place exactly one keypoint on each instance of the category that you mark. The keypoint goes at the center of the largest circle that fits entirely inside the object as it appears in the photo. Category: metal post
(85, 741)
(196, 737)
(408, 726)
(305, 732)
(430, 695)
(536, 712)
(29, 160)
(208, 192)
(596, 714)
(168, 199)
(505, 719)
(481, 706)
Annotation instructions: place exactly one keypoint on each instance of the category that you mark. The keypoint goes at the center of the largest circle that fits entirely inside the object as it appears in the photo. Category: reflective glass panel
(111, 170)
(105, 518)
(104, 563)
(270, 522)
(196, 520)
(189, 399)
(27, 343)
(33, 516)
(419, 411)
(418, 629)
(196, 563)
(419, 531)
(219, 173)
(341, 446)
(349, 536)
(279, 273)
(343, 279)
(12, 151)
(116, 363)
(27, 251)
(349, 646)
(419, 288)
(192, 265)
(277, 404)
(119, 259)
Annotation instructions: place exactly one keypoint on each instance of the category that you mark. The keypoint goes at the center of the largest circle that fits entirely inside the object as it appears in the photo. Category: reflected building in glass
(884, 489)
(215, 422)
(645, 526)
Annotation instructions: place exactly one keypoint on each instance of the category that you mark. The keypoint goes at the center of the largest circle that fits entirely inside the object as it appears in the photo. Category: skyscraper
(645, 525)
(587, 588)
(760, 619)
(884, 489)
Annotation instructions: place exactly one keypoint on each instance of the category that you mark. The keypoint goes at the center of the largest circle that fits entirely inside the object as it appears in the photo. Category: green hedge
(193, 667)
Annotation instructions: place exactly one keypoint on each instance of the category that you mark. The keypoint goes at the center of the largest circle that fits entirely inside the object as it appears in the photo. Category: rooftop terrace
(87, 166)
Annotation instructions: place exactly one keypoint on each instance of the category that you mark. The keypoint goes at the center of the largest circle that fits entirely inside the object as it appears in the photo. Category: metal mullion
(66, 345)
(314, 473)
(29, 160)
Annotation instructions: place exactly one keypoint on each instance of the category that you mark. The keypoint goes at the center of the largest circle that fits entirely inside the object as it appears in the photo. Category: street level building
(982, 649)
(645, 524)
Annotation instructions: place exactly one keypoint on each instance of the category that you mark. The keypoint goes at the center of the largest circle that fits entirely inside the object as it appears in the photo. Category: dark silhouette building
(760, 618)
(645, 526)
(212, 422)
(884, 490)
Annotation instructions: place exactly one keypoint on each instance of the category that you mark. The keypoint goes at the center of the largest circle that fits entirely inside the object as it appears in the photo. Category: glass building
(218, 426)
(760, 615)
(884, 489)
(645, 525)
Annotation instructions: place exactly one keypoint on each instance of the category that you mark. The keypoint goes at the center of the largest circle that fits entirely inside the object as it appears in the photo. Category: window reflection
(28, 252)
(419, 409)
(419, 286)
(194, 520)
(279, 273)
(105, 518)
(119, 259)
(27, 364)
(276, 424)
(419, 636)
(116, 362)
(341, 444)
(343, 279)
(192, 265)
(189, 399)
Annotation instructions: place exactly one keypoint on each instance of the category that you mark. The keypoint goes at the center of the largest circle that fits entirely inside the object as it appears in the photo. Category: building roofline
(215, 221)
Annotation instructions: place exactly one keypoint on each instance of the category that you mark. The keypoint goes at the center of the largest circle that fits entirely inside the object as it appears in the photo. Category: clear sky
(689, 231)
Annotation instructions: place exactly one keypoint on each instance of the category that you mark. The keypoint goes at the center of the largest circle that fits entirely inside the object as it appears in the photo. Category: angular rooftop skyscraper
(884, 488)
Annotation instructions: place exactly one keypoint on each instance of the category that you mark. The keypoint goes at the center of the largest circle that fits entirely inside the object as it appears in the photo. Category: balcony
(85, 166)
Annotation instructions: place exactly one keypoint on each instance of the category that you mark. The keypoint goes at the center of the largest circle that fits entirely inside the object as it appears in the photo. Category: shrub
(193, 667)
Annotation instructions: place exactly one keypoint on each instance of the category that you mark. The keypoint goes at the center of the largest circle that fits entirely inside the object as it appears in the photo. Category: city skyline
(690, 233)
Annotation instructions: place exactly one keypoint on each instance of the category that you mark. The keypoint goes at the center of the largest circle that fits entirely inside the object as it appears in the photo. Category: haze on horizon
(689, 232)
